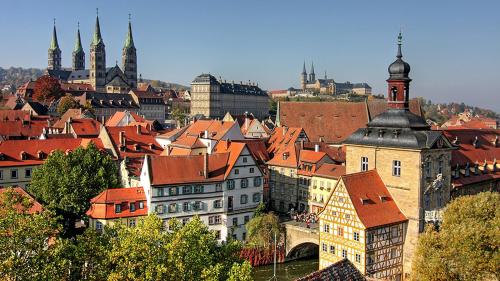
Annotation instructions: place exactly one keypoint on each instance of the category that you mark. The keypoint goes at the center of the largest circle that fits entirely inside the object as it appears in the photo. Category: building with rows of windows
(222, 188)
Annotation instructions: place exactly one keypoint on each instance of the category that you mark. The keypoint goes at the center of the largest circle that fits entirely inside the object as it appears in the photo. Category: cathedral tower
(399, 81)
(129, 58)
(54, 62)
(312, 76)
(303, 77)
(78, 53)
(97, 59)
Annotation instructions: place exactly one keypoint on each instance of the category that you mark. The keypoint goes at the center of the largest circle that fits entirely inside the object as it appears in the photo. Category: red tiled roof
(73, 113)
(467, 152)
(86, 127)
(76, 87)
(188, 141)
(35, 207)
(234, 149)
(282, 147)
(114, 120)
(335, 153)
(257, 148)
(365, 190)
(311, 156)
(378, 106)
(216, 129)
(333, 171)
(187, 169)
(12, 150)
(14, 115)
(103, 205)
(136, 145)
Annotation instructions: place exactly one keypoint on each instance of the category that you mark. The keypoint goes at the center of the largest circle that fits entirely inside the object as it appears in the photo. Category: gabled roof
(86, 127)
(233, 148)
(136, 145)
(14, 115)
(372, 201)
(117, 118)
(35, 207)
(484, 149)
(282, 146)
(342, 270)
(257, 148)
(103, 205)
(73, 113)
(187, 169)
(332, 171)
(216, 129)
(36, 151)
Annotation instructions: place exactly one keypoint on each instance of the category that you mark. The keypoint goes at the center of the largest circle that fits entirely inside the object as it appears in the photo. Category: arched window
(394, 93)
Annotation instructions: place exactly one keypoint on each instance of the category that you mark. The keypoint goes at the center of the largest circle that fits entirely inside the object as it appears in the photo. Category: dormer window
(285, 155)
(2, 156)
(467, 169)
(137, 147)
(476, 169)
(132, 206)
(40, 154)
(24, 155)
(118, 208)
(383, 198)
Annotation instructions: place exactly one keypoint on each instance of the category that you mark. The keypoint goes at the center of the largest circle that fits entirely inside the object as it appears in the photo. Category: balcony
(433, 216)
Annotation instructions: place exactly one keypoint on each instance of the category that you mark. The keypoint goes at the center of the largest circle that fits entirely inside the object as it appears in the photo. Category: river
(286, 271)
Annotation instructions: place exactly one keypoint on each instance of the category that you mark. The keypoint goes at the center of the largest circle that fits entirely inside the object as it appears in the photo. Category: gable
(339, 207)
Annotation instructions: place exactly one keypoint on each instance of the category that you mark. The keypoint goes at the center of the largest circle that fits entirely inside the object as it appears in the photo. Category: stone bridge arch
(300, 240)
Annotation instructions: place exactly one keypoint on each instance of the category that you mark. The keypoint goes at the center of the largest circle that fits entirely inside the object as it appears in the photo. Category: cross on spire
(97, 11)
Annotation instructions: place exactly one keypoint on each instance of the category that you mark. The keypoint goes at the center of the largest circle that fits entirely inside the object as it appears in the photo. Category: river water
(286, 271)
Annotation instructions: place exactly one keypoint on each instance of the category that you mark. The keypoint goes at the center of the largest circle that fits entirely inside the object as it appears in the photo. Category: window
(440, 166)
(340, 231)
(230, 203)
(428, 168)
(247, 219)
(118, 208)
(325, 247)
(371, 238)
(244, 236)
(236, 171)
(257, 181)
(172, 208)
(27, 173)
(344, 253)
(98, 225)
(393, 253)
(186, 206)
(396, 168)
(235, 221)
(1, 175)
(131, 223)
(256, 197)
(217, 234)
(198, 189)
(218, 187)
(252, 170)
(230, 184)
(244, 183)
(364, 164)
(159, 209)
(141, 205)
(13, 174)
(185, 221)
(326, 228)
(187, 189)
(370, 260)
(214, 220)
(427, 201)
(173, 191)
(198, 205)
(332, 249)
(132, 206)
(356, 236)
(358, 258)
(218, 204)
(244, 160)
(244, 199)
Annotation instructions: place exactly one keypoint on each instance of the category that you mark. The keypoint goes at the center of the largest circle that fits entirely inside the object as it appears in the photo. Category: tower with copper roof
(129, 58)
(78, 53)
(97, 59)
(54, 61)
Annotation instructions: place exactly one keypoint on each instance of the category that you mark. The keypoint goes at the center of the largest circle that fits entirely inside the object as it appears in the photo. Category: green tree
(66, 183)
(240, 272)
(24, 238)
(67, 102)
(466, 247)
(179, 116)
(261, 230)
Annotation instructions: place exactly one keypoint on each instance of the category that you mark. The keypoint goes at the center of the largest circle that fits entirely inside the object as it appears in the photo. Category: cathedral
(101, 78)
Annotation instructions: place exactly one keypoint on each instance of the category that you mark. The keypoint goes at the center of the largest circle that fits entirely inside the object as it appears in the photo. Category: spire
(400, 39)
(325, 76)
(78, 43)
(312, 67)
(129, 41)
(54, 44)
(96, 39)
(304, 68)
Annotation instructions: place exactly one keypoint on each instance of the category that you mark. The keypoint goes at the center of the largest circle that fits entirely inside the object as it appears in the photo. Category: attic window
(2, 156)
(137, 147)
(40, 154)
(365, 201)
(285, 155)
(380, 133)
(151, 146)
(24, 155)
(383, 198)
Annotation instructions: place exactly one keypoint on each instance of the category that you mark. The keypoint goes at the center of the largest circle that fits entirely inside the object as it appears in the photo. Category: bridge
(301, 241)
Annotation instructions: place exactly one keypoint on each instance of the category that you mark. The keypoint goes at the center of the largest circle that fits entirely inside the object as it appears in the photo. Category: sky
(453, 47)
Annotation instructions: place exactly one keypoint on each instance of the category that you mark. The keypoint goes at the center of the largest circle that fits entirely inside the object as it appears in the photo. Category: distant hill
(17, 76)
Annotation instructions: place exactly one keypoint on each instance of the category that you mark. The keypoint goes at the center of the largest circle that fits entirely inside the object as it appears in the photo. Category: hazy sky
(453, 47)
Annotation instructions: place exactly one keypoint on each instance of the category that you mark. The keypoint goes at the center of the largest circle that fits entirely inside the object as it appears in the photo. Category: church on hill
(101, 78)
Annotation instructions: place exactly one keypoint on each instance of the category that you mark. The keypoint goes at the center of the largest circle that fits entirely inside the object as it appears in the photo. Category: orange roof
(188, 141)
(36, 151)
(485, 150)
(14, 115)
(73, 113)
(333, 171)
(35, 207)
(78, 87)
(187, 169)
(216, 129)
(115, 120)
(136, 145)
(372, 201)
(283, 148)
(103, 205)
(234, 149)
(257, 148)
(86, 127)
(311, 156)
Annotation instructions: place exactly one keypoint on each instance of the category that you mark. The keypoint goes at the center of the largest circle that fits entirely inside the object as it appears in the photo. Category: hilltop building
(101, 78)
(212, 98)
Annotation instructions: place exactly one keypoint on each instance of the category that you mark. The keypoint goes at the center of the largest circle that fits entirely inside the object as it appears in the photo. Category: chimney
(301, 144)
(205, 165)
(495, 141)
(205, 134)
(138, 127)
(103, 119)
(316, 148)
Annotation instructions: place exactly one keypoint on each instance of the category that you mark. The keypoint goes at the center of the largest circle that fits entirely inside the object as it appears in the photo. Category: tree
(241, 272)
(67, 102)
(466, 247)
(47, 89)
(261, 230)
(24, 238)
(66, 183)
(179, 116)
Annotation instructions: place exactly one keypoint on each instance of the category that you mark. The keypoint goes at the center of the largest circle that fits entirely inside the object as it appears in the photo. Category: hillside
(16, 76)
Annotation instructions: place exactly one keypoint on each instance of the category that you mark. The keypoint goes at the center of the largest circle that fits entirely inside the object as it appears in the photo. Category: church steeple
(312, 75)
(399, 81)
(129, 57)
(304, 68)
(78, 53)
(303, 77)
(54, 57)
(97, 58)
